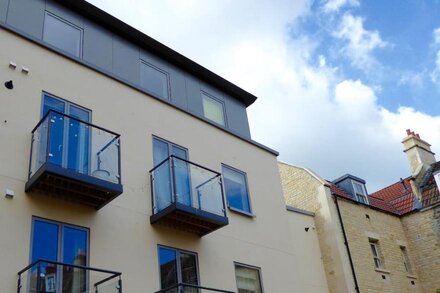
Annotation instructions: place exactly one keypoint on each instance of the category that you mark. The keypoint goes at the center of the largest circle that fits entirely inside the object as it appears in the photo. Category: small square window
(62, 34)
(248, 279)
(236, 189)
(213, 109)
(155, 80)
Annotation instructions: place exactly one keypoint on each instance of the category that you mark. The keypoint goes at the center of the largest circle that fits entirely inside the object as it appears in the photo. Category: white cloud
(304, 110)
(334, 5)
(435, 74)
(436, 34)
(360, 42)
(413, 79)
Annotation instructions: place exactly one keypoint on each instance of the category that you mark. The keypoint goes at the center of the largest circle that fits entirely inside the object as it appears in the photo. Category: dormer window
(360, 192)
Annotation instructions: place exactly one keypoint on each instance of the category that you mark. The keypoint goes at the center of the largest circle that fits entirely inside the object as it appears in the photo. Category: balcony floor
(56, 181)
(189, 219)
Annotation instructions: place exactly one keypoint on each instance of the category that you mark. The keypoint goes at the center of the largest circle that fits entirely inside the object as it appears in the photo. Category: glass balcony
(45, 276)
(188, 288)
(74, 160)
(187, 196)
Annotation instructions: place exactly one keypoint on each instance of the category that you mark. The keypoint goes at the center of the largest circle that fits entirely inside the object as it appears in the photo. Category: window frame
(178, 264)
(406, 260)
(358, 195)
(258, 269)
(65, 21)
(167, 74)
(60, 236)
(377, 254)
(234, 209)
(221, 102)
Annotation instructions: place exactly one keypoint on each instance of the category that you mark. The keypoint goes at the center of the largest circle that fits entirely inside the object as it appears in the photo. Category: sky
(338, 81)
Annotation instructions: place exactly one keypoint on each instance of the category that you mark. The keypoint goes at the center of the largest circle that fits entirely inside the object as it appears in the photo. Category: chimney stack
(419, 153)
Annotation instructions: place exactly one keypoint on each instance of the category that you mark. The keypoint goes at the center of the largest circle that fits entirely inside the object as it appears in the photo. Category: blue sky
(338, 81)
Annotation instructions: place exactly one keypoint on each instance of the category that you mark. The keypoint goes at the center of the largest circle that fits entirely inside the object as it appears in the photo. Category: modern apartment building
(125, 166)
(387, 241)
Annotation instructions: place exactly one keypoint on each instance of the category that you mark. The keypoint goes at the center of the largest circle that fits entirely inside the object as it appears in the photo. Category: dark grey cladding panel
(178, 87)
(194, 95)
(65, 13)
(3, 10)
(237, 117)
(98, 47)
(106, 51)
(126, 63)
(27, 16)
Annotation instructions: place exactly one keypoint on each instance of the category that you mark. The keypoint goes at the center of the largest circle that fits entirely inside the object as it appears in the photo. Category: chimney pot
(408, 131)
(418, 136)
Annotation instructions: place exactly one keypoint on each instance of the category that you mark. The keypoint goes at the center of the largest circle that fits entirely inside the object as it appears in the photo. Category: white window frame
(376, 252)
(405, 258)
(205, 95)
(258, 269)
(359, 195)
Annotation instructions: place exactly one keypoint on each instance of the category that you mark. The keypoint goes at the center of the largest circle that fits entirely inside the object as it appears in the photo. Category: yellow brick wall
(299, 187)
(390, 233)
(423, 231)
(302, 190)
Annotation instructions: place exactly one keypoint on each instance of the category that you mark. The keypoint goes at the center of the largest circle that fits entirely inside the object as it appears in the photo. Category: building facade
(120, 154)
(387, 241)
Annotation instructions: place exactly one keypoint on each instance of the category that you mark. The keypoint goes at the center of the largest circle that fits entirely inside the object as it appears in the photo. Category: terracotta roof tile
(398, 195)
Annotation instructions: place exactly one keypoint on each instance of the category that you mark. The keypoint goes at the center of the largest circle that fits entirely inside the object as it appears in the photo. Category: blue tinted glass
(236, 189)
(74, 246)
(62, 35)
(50, 103)
(45, 241)
(168, 267)
(154, 80)
(78, 141)
(160, 151)
(56, 126)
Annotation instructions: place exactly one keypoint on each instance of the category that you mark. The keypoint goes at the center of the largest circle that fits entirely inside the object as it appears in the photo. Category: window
(359, 191)
(69, 144)
(248, 279)
(62, 34)
(176, 267)
(162, 149)
(154, 80)
(63, 243)
(377, 256)
(213, 109)
(405, 259)
(236, 189)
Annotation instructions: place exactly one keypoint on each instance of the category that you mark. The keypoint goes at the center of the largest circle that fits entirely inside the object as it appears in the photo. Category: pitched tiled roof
(399, 195)
(374, 202)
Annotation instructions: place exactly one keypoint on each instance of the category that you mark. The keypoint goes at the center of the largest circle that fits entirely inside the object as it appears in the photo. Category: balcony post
(48, 135)
(38, 278)
(223, 195)
(19, 284)
(119, 285)
(173, 180)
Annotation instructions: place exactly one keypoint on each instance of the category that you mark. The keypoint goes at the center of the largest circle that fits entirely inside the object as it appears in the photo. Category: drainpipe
(356, 285)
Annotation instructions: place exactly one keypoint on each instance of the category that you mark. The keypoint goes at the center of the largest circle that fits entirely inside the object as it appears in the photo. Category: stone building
(386, 241)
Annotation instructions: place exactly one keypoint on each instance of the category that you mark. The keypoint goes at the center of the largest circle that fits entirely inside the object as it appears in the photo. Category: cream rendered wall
(312, 269)
(304, 189)
(121, 237)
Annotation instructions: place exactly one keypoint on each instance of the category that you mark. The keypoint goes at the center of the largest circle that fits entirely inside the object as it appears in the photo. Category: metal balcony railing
(76, 145)
(184, 193)
(83, 158)
(44, 276)
(188, 288)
